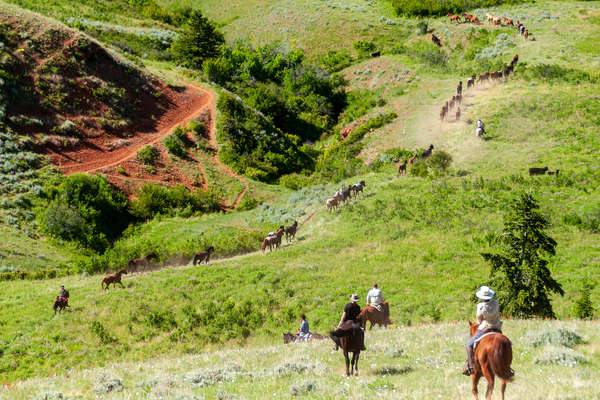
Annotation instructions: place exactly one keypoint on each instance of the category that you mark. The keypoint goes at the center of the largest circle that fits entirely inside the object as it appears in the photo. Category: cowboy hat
(485, 293)
(354, 297)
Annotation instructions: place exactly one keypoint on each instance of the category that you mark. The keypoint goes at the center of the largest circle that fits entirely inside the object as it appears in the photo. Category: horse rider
(488, 317)
(375, 297)
(64, 293)
(304, 331)
(349, 322)
(480, 127)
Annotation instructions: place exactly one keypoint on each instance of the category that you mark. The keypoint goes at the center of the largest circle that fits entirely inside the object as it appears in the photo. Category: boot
(468, 368)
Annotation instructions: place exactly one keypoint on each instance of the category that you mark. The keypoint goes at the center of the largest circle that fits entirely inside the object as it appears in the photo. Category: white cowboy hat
(354, 297)
(485, 293)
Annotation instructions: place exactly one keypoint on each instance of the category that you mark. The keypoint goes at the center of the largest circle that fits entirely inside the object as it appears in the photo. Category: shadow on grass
(387, 370)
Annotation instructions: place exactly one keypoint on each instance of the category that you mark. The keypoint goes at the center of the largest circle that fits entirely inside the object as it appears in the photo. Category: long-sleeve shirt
(488, 314)
(374, 296)
(304, 327)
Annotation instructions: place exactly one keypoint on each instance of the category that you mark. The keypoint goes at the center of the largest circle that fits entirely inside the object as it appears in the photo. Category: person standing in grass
(488, 317)
(304, 331)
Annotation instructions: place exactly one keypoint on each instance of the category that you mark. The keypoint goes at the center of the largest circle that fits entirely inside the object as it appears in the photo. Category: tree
(200, 41)
(584, 308)
(519, 269)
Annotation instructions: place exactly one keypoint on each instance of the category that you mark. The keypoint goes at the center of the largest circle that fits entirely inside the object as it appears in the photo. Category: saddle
(60, 299)
(488, 332)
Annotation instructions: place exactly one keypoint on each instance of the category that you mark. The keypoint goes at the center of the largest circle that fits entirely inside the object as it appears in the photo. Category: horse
(134, 264)
(273, 240)
(443, 113)
(525, 33)
(458, 114)
(358, 187)
(427, 153)
(538, 171)
(484, 77)
(352, 344)
(508, 21)
(402, 167)
(291, 338)
(459, 88)
(331, 203)
(436, 40)
(493, 356)
(374, 316)
(203, 255)
(290, 231)
(471, 81)
(454, 17)
(451, 104)
(114, 279)
(60, 303)
(412, 159)
(514, 61)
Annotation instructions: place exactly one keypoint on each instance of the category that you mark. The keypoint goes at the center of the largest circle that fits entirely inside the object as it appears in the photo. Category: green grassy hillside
(554, 360)
(419, 237)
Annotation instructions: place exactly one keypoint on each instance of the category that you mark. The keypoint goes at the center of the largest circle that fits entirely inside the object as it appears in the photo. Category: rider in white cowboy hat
(488, 317)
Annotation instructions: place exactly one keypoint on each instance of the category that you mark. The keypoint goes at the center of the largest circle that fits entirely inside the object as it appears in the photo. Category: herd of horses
(344, 194)
(409, 162)
(273, 239)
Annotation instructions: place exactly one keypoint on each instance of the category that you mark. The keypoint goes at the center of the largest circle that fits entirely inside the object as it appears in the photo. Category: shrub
(422, 27)
(553, 72)
(363, 47)
(159, 200)
(199, 129)
(248, 203)
(335, 61)
(103, 336)
(303, 388)
(87, 209)
(560, 356)
(199, 42)
(295, 181)
(148, 155)
(422, 8)
(175, 145)
(584, 308)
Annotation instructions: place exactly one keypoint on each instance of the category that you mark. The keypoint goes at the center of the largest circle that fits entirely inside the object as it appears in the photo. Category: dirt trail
(186, 112)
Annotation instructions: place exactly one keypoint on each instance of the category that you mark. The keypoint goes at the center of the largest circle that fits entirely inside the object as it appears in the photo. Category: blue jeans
(476, 336)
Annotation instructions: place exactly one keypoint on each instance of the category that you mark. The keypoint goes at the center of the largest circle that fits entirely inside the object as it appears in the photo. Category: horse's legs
(347, 363)
(371, 327)
(356, 362)
(475, 381)
(502, 387)
(489, 376)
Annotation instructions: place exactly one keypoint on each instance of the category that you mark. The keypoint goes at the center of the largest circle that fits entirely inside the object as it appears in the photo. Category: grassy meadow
(192, 332)
(552, 360)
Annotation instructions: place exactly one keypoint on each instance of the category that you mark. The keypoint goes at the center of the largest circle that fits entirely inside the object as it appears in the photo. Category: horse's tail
(500, 359)
(264, 245)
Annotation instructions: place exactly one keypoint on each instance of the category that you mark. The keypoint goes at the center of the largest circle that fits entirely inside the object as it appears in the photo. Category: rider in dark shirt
(351, 312)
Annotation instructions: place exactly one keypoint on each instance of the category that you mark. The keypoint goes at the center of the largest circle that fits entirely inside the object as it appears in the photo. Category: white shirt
(488, 314)
(480, 124)
(374, 296)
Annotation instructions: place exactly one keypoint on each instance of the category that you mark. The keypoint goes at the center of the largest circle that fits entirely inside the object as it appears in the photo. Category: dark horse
(493, 356)
(60, 304)
(290, 337)
(352, 343)
(374, 316)
(134, 264)
(114, 279)
(290, 231)
(273, 240)
(203, 255)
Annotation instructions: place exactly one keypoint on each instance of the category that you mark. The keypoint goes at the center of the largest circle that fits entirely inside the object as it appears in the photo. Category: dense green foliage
(87, 209)
(154, 199)
(199, 42)
(148, 155)
(584, 308)
(298, 98)
(253, 146)
(520, 271)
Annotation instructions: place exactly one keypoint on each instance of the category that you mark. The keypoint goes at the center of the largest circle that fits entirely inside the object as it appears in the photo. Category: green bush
(363, 46)
(584, 308)
(174, 145)
(101, 333)
(422, 8)
(199, 42)
(295, 181)
(87, 209)
(248, 203)
(159, 200)
(148, 155)
(553, 72)
(335, 61)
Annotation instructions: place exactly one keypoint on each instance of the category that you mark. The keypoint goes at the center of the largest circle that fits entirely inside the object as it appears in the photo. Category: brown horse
(290, 337)
(114, 279)
(60, 304)
(374, 316)
(493, 356)
(203, 256)
(136, 263)
(402, 167)
(454, 17)
(290, 231)
(273, 240)
(352, 344)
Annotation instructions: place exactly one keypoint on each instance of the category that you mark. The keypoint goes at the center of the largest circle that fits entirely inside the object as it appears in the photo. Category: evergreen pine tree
(520, 269)
(200, 41)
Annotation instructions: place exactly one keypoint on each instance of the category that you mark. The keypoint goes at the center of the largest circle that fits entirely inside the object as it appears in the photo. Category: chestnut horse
(374, 316)
(273, 240)
(134, 264)
(493, 356)
(114, 279)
